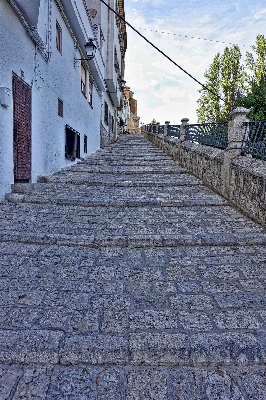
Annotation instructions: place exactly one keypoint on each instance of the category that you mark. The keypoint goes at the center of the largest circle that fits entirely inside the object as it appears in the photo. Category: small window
(110, 122)
(72, 147)
(90, 91)
(83, 79)
(58, 37)
(113, 124)
(105, 113)
(85, 144)
(60, 108)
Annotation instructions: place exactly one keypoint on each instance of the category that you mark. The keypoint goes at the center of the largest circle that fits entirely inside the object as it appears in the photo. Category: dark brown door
(21, 130)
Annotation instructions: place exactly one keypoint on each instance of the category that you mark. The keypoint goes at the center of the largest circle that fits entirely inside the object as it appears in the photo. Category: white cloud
(163, 91)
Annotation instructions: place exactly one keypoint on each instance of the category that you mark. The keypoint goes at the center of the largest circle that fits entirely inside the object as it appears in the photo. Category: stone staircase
(123, 277)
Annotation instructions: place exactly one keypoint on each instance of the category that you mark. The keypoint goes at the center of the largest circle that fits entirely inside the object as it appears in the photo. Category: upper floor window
(105, 113)
(90, 91)
(83, 79)
(58, 37)
(85, 144)
(60, 108)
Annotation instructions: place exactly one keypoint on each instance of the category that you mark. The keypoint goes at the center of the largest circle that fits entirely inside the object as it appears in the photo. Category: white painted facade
(31, 54)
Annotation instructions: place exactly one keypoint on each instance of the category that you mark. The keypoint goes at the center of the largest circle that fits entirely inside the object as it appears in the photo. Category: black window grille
(105, 113)
(85, 144)
(72, 146)
(60, 108)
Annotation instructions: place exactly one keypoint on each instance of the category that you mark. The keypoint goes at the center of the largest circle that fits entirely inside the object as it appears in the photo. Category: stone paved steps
(129, 281)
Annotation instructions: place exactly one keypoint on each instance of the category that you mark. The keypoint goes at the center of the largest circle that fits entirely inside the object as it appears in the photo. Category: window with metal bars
(90, 91)
(85, 144)
(106, 113)
(60, 107)
(83, 79)
(58, 37)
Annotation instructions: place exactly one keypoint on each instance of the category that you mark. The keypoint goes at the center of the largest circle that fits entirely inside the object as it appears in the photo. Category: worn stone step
(129, 282)
(132, 241)
(85, 381)
(61, 179)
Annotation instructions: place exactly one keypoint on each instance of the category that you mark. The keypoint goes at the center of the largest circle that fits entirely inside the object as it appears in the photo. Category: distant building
(133, 122)
(54, 107)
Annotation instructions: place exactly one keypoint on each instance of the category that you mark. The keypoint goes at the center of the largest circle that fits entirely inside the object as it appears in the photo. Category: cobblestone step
(132, 383)
(129, 281)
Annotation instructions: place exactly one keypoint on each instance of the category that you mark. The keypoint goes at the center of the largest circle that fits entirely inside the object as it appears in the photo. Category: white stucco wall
(58, 78)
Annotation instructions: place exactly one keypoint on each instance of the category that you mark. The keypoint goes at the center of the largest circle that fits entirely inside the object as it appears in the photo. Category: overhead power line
(165, 55)
(190, 37)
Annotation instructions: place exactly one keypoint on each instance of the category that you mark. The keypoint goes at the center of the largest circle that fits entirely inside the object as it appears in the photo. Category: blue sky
(162, 90)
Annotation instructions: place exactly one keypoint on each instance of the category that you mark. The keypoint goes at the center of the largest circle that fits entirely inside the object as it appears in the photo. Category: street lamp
(122, 84)
(90, 49)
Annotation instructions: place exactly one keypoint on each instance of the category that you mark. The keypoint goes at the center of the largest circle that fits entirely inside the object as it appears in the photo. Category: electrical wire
(190, 37)
(165, 55)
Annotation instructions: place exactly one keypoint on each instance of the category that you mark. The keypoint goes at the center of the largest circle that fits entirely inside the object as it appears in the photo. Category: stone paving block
(29, 346)
(195, 321)
(9, 376)
(94, 349)
(101, 272)
(111, 302)
(191, 302)
(146, 385)
(148, 301)
(31, 298)
(21, 317)
(110, 385)
(227, 348)
(55, 298)
(237, 319)
(33, 384)
(228, 300)
(143, 274)
(198, 385)
(73, 383)
(252, 285)
(165, 287)
(225, 272)
(159, 349)
(189, 287)
(180, 273)
(153, 320)
(114, 321)
(220, 287)
(54, 318)
(254, 271)
(254, 384)
(138, 287)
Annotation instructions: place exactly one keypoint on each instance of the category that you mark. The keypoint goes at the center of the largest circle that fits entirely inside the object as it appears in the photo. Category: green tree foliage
(255, 100)
(225, 78)
(153, 121)
(233, 78)
(257, 64)
(238, 83)
(255, 96)
(209, 105)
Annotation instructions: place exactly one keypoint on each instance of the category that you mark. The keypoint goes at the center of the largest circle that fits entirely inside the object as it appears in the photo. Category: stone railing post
(166, 126)
(157, 127)
(236, 132)
(184, 124)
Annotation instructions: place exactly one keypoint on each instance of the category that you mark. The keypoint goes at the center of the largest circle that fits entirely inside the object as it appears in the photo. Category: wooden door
(21, 130)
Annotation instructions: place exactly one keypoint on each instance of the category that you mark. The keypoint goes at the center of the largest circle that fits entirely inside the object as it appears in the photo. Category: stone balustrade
(240, 179)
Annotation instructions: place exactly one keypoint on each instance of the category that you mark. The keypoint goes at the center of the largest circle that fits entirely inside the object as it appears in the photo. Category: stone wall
(240, 179)
(133, 122)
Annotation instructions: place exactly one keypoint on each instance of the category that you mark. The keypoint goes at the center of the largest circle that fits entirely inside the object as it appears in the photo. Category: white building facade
(53, 99)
